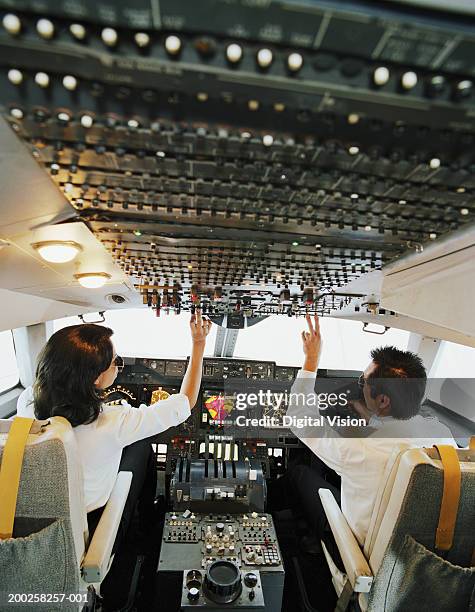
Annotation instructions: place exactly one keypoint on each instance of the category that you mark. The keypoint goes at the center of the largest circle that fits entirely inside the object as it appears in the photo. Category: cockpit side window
(454, 361)
(9, 374)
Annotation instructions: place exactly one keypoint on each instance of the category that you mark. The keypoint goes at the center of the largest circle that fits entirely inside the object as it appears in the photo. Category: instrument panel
(210, 432)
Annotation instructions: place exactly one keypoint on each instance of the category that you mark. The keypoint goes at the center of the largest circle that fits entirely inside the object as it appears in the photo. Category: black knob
(250, 580)
(193, 594)
(222, 583)
(220, 527)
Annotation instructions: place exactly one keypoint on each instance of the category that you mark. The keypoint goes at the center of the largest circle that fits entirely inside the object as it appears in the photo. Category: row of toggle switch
(234, 54)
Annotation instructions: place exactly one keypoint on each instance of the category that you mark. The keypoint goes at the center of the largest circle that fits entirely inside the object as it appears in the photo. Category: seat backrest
(383, 495)
(409, 504)
(51, 484)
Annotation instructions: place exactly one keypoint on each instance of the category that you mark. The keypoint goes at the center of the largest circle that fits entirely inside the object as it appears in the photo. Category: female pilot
(75, 365)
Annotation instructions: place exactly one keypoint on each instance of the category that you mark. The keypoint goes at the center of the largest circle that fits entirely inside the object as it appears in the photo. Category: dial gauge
(159, 394)
(117, 393)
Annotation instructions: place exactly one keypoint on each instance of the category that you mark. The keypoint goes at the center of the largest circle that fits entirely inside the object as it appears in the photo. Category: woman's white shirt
(100, 443)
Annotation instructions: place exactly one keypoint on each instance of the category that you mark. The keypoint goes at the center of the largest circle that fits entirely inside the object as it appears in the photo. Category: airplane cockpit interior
(237, 278)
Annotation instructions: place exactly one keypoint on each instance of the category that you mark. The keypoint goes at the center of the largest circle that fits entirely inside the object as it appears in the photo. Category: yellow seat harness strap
(471, 446)
(10, 473)
(450, 497)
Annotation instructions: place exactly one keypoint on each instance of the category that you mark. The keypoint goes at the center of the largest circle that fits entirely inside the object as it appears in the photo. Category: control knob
(222, 583)
(193, 594)
(250, 580)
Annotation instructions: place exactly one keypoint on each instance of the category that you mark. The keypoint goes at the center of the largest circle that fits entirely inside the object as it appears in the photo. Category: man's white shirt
(361, 461)
(100, 443)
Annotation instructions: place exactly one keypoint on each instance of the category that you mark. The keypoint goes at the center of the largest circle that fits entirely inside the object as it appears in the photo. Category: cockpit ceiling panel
(264, 156)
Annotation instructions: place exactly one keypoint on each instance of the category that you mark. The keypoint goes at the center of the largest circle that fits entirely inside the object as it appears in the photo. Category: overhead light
(434, 163)
(57, 251)
(92, 280)
(353, 150)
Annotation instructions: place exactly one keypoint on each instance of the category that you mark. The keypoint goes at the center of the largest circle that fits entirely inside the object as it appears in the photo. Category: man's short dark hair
(401, 376)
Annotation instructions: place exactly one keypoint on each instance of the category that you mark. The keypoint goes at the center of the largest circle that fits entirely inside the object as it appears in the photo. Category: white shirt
(360, 461)
(100, 443)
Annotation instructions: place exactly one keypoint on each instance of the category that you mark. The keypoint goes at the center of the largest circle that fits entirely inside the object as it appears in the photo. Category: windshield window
(138, 332)
(345, 345)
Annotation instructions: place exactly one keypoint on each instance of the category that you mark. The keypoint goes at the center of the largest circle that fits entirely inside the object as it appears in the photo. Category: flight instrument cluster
(211, 434)
(148, 380)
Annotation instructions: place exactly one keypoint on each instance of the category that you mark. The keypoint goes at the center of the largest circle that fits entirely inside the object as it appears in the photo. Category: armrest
(96, 561)
(357, 568)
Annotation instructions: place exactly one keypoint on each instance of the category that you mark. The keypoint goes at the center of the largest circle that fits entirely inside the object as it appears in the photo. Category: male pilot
(393, 387)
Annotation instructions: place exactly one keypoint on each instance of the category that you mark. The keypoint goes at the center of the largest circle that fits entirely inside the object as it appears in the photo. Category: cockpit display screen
(218, 405)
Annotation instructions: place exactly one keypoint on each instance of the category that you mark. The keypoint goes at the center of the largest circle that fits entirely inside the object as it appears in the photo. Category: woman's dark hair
(68, 367)
(401, 376)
